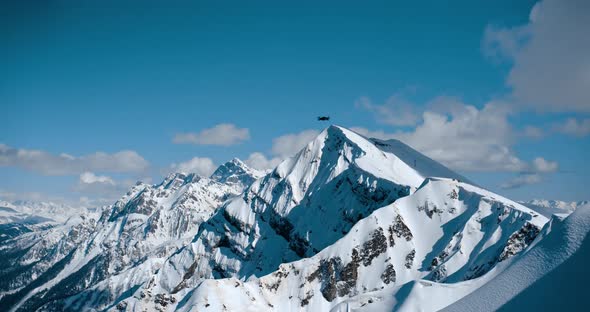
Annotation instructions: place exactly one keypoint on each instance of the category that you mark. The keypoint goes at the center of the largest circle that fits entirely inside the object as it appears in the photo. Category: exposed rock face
(298, 209)
(396, 244)
(520, 240)
(388, 275)
(35, 258)
(430, 209)
(373, 247)
(410, 259)
(399, 229)
(336, 279)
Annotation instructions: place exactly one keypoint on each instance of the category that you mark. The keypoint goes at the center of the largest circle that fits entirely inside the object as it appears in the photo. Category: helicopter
(323, 118)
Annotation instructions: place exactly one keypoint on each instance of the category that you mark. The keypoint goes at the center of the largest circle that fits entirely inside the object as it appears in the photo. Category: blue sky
(80, 78)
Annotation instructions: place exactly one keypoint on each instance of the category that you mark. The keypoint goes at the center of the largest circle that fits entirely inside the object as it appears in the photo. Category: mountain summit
(236, 172)
(346, 223)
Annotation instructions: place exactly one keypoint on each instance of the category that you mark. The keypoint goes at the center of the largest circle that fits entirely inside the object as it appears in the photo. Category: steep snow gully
(348, 223)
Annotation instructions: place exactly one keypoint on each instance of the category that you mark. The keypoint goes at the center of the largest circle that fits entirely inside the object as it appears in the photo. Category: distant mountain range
(550, 207)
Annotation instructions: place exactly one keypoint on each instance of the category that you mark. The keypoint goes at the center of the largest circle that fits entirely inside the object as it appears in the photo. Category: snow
(296, 284)
(306, 204)
(32, 212)
(543, 275)
(348, 223)
(421, 163)
(125, 244)
(236, 173)
(418, 295)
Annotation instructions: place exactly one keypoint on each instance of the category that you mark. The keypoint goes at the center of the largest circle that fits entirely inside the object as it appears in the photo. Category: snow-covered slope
(446, 232)
(34, 258)
(20, 217)
(14, 223)
(17, 210)
(304, 205)
(236, 173)
(553, 275)
(92, 260)
(348, 223)
(421, 163)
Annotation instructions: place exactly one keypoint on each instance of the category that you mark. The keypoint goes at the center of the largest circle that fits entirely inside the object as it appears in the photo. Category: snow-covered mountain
(551, 276)
(14, 211)
(50, 210)
(133, 236)
(348, 223)
(20, 210)
(306, 204)
(446, 232)
(20, 217)
(237, 174)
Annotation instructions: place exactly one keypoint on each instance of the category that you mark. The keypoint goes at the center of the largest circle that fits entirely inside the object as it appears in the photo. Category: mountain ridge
(347, 222)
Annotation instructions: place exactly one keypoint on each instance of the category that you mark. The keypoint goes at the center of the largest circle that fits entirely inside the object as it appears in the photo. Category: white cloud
(575, 127)
(550, 56)
(259, 161)
(540, 165)
(100, 188)
(522, 180)
(50, 164)
(466, 138)
(221, 134)
(499, 43)
(396, 111)
(89, 178)
(288, 145)
(201, 165)
(282, 147)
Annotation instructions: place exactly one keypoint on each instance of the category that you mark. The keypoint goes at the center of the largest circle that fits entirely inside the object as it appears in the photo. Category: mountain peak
(176, 179)
(338, 148)
(346, 222)
(339, 131)
(238, 162)
(236, 172)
